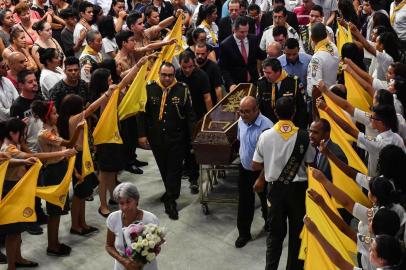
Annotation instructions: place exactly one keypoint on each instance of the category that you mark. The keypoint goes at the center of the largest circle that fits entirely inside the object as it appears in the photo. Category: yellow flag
(136, 97)
(3, 170)
(87, 162)
(311, 251)
(56, 194)
(341, 180)
(343, 36)
(19, 204)
(106, 130)
(168, 51)
(356, 95)
(338, 111)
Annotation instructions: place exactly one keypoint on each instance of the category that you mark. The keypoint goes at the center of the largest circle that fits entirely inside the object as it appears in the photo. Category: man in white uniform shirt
(398, 20)
(282, 152)
(280, 16)
(324, 63)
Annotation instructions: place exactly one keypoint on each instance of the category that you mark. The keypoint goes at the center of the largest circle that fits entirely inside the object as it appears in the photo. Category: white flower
(134, 245)
(139, 239)
(151, 256)
(138, 249)
(144, 252)
(157, 239)
(151, 244)
(149, 236)
(145, 242)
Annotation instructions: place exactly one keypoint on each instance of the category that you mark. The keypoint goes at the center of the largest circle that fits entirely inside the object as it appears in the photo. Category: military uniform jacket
(290, 87)
(178, 118)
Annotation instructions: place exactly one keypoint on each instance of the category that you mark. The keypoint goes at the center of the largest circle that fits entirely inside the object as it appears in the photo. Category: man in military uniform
(165, 127)
(276, 83)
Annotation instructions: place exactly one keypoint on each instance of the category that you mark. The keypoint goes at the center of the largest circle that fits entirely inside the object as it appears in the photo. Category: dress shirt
(399, 25)
(248, 135)
(8, 94)
(246, 44)
(297, 69)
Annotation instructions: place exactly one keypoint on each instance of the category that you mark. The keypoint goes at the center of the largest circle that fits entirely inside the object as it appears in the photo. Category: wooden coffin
(215, 140)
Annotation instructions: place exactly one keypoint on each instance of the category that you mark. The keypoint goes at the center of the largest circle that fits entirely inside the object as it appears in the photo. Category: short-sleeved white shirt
(383, 60)
(115, 225)
(48, 79)
(328, 6)
(274, 152)
(109, 45)
(267, 36)
(379, 84)
(399, 24)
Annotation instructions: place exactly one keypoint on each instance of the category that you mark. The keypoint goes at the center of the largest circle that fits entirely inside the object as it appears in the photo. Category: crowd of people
(61, 63)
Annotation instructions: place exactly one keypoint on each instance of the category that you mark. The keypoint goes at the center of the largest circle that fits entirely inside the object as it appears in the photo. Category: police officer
(165, 127)
(276, 83)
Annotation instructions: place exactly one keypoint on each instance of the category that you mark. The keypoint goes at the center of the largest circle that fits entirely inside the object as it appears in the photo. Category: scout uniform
(283, 150)
(168, 123)
(268, 93)
(323, 66)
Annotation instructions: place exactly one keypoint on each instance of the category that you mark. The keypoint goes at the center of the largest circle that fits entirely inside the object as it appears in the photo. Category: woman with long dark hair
(108, 32)
(207, 21)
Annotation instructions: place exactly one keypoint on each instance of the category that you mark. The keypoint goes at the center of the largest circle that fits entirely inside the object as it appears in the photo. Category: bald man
(250, 125)
(274, 49)
(16, 62)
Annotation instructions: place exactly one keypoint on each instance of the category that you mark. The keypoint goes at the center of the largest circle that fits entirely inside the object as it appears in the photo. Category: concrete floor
(194, 242)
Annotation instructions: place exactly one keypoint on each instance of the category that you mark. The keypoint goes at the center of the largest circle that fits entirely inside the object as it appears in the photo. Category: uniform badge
(315, 66)
(286, 128)
(62, 198)
(370, 138)
(27, 212)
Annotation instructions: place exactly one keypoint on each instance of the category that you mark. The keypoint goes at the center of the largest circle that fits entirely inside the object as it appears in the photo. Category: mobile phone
(28, 113)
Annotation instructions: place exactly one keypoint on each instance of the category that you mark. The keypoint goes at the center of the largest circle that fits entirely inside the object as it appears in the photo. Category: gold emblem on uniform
(88, 165)
(285, 128)
(62, 198)
(28, 211)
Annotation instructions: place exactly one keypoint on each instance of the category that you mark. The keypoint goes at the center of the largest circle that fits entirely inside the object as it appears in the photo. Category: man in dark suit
(239, 54)
(320, 130)
(226, 23)
(267, 17)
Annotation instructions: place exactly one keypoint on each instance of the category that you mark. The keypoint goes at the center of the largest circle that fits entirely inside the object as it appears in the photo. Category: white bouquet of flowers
(143, 242)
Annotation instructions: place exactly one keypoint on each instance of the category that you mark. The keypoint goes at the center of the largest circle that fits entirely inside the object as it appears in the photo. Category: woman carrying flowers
(126, 225)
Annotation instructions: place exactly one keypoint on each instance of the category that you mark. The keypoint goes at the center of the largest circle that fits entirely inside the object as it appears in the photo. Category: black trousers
(287, 205)
(129, 134)
(169, 158)
(191, 167)
(246, 201)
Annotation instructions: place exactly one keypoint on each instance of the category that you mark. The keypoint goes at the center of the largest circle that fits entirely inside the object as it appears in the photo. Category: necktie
(244, 52)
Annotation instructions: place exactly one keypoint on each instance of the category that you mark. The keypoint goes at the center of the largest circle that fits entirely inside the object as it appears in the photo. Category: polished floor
(194, 242)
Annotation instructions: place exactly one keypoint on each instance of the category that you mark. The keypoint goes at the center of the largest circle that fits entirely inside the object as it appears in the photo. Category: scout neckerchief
(89, 50)
(286, 129)
(323, 45)
(212, 34)
(396, 8)
(165, 91)
(283, 75)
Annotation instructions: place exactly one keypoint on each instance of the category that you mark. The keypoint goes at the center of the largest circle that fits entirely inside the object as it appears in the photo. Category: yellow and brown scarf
(212, 34)
(165, 91)
(286, 129)
(283, 75)
(396, 8)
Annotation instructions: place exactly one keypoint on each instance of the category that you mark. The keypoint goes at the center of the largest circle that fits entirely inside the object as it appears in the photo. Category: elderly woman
(18, 44)
(127, 195)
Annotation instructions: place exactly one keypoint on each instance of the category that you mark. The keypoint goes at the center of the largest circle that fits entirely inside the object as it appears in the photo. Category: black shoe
(194, 187)
(26, 265)
(104, 215)
(3, 258)
(35, 229)
(242, 241)
(134, 169)
(170, 209)
(63, 251)
(140, 163)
